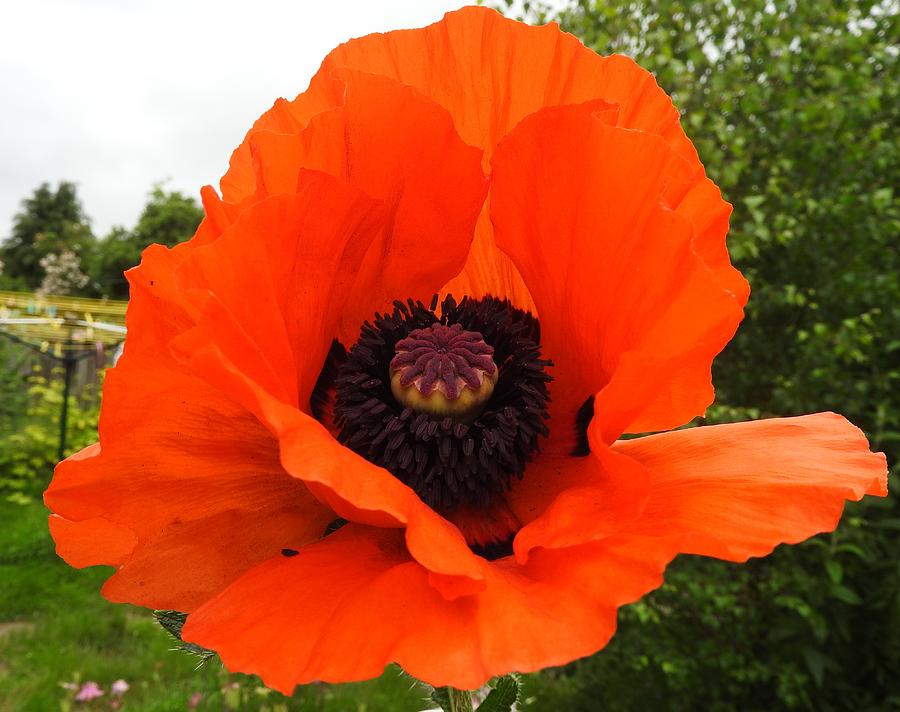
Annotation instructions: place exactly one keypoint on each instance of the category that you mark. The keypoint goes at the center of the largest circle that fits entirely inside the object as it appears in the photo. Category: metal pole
(70, 362)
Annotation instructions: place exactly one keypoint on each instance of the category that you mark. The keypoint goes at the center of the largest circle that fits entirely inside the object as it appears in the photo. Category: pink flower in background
(194, 700)
(89, 691)
(119, 688)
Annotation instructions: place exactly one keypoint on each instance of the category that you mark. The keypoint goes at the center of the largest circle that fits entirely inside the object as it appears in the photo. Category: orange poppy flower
(328, 480)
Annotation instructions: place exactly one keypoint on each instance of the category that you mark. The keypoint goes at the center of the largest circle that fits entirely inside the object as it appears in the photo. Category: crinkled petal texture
(343, 608)
(187, 483)
(584, 209)
(373, 186)
(736, 491)
(430, 103)
(489, 73)
(396, 145)
(206, 416)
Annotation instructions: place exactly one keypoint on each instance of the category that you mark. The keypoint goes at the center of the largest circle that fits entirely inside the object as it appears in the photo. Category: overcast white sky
(115, 95)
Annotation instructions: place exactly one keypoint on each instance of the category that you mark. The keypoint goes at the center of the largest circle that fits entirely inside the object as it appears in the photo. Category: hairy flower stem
(460, 700)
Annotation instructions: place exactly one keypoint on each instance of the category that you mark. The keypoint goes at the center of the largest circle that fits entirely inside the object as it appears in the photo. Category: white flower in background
(62, 273)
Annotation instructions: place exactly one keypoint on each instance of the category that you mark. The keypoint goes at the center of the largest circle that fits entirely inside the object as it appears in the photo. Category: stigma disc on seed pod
(444, 370)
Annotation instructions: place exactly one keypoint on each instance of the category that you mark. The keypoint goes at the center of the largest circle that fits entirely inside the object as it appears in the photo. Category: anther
(464, 459)
(445, 371)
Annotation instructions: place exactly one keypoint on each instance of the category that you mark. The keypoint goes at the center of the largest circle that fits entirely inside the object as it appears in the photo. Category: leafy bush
(793, 106)
(29, 439)
(13, 396)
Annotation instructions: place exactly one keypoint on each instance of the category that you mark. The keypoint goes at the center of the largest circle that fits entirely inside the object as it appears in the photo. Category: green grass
(67, 632)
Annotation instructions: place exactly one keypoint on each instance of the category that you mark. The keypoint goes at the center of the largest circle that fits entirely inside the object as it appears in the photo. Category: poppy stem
(460, 700)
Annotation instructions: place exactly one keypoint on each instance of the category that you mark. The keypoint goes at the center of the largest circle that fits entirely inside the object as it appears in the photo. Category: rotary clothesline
(66, 329)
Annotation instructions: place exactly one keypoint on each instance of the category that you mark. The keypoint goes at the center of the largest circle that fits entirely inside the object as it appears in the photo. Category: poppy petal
(491, 72)
(648, 392)
(91, 542)
(736, 491)
(557, 608)
(578, 206)
(241, 179)
(354, 488)
(488, 271)
(703, 206)
(269, 292)
(568, 501)
(183, 508)
(363, 492)
(262, 301)
(161, 472)
(397, 146)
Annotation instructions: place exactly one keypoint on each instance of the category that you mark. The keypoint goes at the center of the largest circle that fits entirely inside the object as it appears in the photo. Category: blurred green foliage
(168, 218)
(13, 395)
(29, 433)
(794, 109)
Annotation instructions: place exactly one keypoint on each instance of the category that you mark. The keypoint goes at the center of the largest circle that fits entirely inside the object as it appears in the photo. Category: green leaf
(815, 662)
(504, 695)
(842, 593)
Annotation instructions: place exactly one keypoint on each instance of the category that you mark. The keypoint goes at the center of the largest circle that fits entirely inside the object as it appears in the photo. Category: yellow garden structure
(66, 329)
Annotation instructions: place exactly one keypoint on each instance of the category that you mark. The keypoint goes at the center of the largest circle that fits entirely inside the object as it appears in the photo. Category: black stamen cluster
(447, 463)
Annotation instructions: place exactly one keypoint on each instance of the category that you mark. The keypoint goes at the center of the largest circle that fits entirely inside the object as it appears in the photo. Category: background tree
(794, 108)
(50, 222)
(52, 232)
(168, 218)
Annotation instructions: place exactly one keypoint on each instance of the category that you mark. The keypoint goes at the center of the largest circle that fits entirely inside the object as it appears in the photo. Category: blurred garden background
(794, 109)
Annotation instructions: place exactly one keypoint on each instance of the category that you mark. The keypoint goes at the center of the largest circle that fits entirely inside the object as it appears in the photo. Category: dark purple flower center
(450, 398)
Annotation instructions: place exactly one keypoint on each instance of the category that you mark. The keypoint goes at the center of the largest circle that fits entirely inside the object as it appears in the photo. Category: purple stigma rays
(446, 358)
